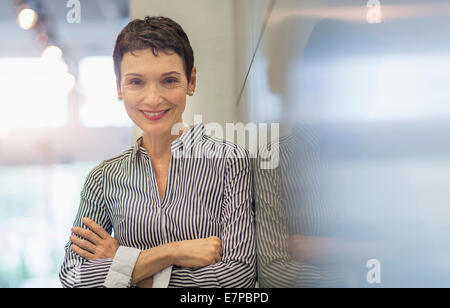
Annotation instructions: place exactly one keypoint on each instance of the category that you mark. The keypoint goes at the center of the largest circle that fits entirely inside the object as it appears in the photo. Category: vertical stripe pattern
(208, 193)
(288, 202)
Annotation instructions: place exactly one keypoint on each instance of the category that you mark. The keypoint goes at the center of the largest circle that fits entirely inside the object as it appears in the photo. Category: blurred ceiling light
(27, 18)
(52, 52)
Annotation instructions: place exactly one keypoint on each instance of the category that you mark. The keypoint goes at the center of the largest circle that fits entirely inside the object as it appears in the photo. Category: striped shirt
(288, 202)
(208, 193)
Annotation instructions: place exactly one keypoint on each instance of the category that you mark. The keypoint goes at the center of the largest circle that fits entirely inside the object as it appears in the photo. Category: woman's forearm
(152, 261)
(189, 253)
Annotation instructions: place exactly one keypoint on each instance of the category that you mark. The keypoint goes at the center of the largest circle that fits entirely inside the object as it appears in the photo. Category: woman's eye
(170, 81)
(134, 82)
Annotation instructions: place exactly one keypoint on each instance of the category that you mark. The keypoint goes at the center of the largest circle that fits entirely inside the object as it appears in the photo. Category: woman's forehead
(145, 62)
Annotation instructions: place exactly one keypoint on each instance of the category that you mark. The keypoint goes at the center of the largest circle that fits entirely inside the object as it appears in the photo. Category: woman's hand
(97, 243)
(146, 283)
(199, 252)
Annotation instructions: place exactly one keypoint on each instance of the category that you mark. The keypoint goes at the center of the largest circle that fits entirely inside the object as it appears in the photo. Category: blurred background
(59, 116)
(369, 78)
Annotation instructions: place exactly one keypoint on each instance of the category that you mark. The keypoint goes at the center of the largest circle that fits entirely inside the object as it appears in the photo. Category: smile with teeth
(154, 116)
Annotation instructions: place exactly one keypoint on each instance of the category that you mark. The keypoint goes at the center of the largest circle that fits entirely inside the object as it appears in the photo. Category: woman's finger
(96, 228)
(218, 257)
(87, 234)
(83, 253)
(86, 245)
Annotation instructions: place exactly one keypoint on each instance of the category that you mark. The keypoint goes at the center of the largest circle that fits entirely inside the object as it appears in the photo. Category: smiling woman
(154, 93)
(179, 221)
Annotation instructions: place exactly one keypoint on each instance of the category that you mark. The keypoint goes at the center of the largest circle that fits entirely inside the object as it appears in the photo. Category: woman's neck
(159, 146)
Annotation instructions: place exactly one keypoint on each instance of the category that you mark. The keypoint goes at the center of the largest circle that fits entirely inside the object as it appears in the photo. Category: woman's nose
(153, 94)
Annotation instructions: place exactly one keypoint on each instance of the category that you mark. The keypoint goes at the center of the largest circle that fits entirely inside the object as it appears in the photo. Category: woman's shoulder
(228, 148)
(113, 162)
(118, 159)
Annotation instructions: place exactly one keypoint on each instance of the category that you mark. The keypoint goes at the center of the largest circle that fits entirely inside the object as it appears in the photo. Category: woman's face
(154, 89)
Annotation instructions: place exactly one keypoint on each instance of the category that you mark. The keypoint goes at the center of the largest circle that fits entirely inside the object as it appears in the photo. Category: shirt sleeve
(77, 272)
(121, 270)
(162, 278)
(237, 269)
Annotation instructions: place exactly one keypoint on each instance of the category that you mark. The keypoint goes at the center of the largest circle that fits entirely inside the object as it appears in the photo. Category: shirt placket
(166, 199)
(160, 203)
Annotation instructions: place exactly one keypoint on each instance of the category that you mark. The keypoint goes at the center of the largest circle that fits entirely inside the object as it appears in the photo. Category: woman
(180, 218)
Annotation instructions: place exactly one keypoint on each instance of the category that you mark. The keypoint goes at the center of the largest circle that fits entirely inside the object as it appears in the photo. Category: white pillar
(209, 25)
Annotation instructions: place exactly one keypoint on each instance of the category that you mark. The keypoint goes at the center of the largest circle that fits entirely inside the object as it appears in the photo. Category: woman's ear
(192, 81)
(119, 91)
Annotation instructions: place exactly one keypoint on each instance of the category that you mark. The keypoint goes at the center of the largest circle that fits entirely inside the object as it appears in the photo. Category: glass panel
(363, 103)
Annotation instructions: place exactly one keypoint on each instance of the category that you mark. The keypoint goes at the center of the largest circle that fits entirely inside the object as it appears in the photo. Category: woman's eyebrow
(133, 74)
(171, 72)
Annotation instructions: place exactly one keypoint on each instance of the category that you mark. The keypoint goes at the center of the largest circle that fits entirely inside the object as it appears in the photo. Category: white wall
(249, 20)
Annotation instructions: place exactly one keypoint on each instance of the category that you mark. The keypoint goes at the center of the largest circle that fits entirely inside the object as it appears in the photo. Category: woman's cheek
(130, 100)
(131, 109)
(181, 96)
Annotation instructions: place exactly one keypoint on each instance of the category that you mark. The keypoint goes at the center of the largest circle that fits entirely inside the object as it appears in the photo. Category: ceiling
(57, 9)
(101, 21)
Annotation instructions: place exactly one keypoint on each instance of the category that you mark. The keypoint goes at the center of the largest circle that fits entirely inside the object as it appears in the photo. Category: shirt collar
(187, 140)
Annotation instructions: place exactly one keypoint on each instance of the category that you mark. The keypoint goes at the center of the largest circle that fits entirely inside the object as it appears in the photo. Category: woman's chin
(157, 128)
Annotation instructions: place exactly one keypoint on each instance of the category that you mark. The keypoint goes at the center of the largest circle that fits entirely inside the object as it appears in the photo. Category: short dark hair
(156, 33)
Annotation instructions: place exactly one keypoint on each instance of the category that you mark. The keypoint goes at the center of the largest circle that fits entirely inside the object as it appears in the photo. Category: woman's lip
(154, 111)
(155, 117)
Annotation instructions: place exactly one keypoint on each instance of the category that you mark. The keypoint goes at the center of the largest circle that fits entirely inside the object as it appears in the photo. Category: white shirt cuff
(162, 278)
(121, 270)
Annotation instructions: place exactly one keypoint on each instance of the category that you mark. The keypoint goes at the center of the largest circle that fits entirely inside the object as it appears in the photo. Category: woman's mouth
(154, 115)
